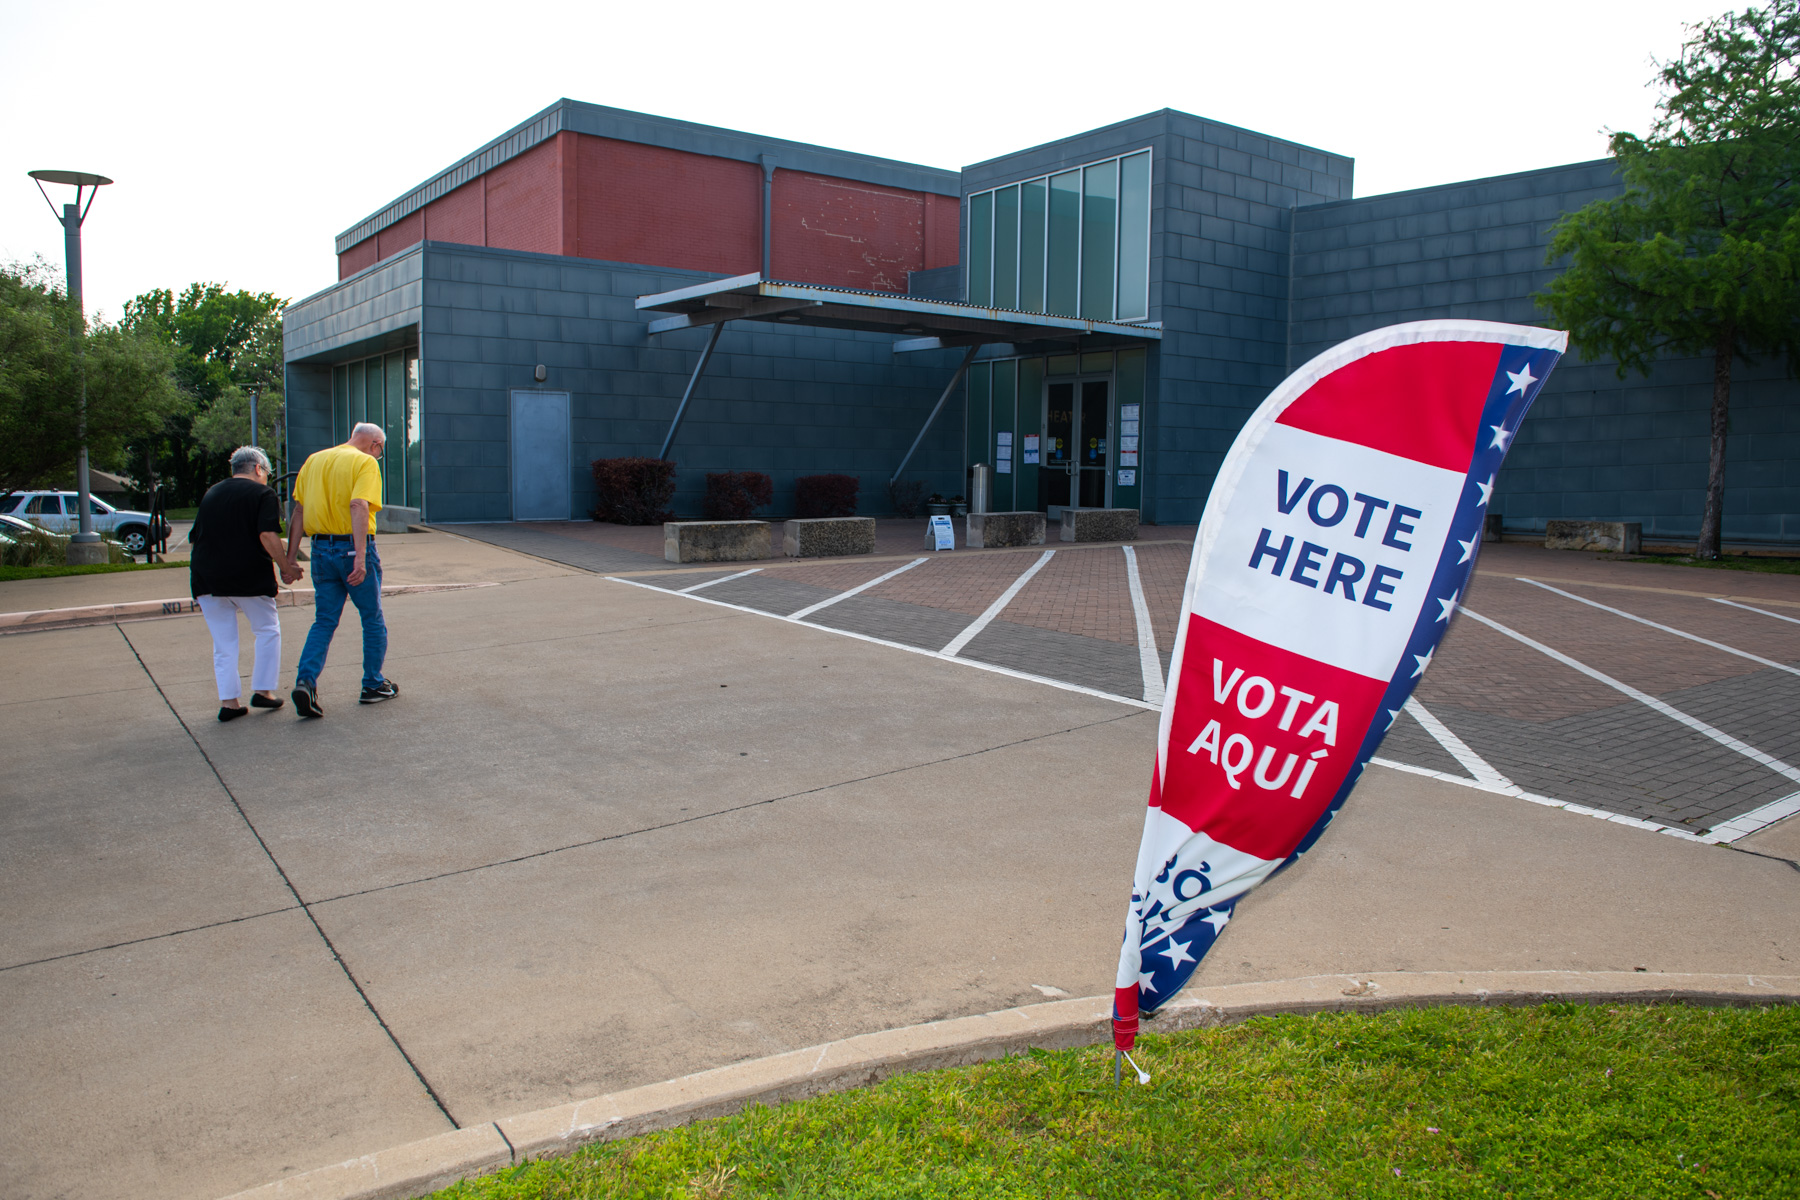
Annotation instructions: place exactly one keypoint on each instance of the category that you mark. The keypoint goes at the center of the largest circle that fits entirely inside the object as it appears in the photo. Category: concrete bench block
(827, 537)
(1005, 529)
(715, 541)
(1625, 537)
(394, 518)
(1099, 524)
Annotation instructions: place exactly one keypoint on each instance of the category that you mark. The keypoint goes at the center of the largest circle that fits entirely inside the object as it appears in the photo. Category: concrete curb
(419, 1168)
(102, 614)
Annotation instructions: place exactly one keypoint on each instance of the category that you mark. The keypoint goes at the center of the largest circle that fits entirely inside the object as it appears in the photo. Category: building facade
(1109, 308)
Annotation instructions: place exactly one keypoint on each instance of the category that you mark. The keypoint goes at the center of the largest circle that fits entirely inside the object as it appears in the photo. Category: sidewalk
(609, 836)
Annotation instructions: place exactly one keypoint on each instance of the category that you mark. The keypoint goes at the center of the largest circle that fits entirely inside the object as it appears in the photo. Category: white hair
(370, 428)
(245, 457)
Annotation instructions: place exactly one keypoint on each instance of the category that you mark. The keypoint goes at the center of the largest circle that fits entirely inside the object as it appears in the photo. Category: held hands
(290, 571)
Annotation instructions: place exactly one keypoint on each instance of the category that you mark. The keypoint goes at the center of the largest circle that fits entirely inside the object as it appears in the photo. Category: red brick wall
(667, 208)
(458, 216)
(943, 218)
(524, 201)
(405, 232)
(846, 234)
(356, 258)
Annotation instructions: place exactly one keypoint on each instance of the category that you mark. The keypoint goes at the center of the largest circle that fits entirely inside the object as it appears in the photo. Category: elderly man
(336, 498)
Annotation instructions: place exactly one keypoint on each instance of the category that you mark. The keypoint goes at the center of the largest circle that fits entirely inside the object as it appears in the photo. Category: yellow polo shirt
(329, 481)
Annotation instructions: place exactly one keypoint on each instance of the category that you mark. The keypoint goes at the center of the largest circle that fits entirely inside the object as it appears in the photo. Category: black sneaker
(305, 702)
(387, 689)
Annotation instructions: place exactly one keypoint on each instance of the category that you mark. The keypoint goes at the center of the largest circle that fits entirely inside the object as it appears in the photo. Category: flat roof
(930, 324)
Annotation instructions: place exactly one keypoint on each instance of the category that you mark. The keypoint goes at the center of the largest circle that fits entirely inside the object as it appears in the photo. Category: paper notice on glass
(1004, 437)
(1128, 458)
(1128, 428)
(1127, 478)
(1128, 412)
(1031, 449)
(1003, 466)
(1128, 445)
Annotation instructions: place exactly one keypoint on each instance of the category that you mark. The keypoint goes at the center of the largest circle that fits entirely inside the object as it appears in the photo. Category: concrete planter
(1099, 524)
(1005, 529)
(1624, 537)
(394, 518)
(825, 537)
(715, 541)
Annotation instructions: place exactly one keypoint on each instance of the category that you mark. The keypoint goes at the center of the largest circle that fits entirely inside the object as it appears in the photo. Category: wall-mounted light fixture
(541, 373)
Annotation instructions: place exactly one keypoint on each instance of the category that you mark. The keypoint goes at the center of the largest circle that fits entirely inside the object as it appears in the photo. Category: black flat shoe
(266, 702)
(231, 714)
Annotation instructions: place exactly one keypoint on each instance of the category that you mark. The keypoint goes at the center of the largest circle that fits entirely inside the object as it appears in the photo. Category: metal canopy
(930, 324)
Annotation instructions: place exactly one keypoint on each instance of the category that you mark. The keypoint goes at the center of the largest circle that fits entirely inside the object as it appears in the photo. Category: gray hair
(245, 457)
(370, 428)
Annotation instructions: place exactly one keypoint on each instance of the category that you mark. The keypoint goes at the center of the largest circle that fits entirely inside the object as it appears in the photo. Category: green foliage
(45, 356)
(224, 345)
(1700, 256)
(1552, 1102)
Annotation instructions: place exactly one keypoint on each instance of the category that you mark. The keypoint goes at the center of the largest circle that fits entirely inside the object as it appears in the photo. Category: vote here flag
(1338, 539)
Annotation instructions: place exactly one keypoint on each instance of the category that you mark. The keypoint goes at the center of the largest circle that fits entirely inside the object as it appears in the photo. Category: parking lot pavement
(1684, 717)
(610, 835)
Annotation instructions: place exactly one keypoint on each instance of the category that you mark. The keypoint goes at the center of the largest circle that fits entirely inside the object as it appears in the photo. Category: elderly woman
(237, 544)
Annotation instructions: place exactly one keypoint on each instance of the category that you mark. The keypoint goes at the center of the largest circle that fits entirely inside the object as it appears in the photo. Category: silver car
(57, 512)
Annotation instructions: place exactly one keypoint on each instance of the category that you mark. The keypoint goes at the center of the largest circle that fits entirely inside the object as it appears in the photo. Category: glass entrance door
(1076, 454)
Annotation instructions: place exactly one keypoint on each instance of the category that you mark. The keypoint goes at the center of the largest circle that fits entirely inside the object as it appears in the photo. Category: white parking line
(1471, 762)
(1149, 661)
(1696, 724)
(1619, 612)
(810, 609)
(1754, 820)
(721, 579)
(993, 610)
(1765, 612)
(993, 668)
(1581, 810)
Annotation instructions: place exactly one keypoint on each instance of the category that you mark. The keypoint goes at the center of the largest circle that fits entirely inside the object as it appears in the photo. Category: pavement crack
(292, 890)
(153, 937)
(722, 812)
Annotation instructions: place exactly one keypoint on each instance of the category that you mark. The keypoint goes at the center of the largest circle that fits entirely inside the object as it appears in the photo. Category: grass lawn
(8, 574)
(1556, 1101)
(1734, 562)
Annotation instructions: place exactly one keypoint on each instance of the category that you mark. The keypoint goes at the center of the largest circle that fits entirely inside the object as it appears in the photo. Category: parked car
(57, 512)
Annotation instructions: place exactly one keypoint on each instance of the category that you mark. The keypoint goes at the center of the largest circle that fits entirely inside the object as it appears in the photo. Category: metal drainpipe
(768, 212)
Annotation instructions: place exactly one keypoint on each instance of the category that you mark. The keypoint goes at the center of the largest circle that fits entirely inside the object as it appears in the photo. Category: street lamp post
(84, 547)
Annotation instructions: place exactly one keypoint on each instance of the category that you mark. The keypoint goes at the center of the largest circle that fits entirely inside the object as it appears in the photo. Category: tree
(1700, 256)
(224, 344)
(45, 355)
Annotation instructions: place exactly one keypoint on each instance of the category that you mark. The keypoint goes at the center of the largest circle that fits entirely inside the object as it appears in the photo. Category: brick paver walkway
(1546, 726)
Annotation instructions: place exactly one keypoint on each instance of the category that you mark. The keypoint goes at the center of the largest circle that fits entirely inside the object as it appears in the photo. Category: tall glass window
(1034, 199)
(385, 390)
(1006, 248)
(981, 249)
(1074, 243)
(1099, 233)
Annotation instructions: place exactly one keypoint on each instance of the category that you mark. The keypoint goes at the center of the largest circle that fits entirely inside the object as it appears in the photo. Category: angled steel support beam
(693, 381)
(937, 408)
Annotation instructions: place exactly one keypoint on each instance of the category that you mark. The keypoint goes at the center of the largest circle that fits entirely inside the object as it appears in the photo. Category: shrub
(906, 497)
(735, 495)
(826, 495)
(633, 491)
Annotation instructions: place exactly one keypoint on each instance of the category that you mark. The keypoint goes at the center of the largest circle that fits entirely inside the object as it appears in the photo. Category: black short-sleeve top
(229, 559)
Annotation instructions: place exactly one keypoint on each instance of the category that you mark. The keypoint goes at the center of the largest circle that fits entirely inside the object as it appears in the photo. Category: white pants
(221, 617)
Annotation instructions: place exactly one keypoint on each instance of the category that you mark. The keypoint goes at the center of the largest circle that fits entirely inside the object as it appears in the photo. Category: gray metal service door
(540, 456)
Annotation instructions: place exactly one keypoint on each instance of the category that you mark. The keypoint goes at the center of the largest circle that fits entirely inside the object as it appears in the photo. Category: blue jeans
(331, 563)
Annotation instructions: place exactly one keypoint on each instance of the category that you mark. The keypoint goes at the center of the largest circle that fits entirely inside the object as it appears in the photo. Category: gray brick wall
(786, 400)
(1595, 446)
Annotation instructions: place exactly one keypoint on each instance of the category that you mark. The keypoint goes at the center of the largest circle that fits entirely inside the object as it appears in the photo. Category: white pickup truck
(56, 512)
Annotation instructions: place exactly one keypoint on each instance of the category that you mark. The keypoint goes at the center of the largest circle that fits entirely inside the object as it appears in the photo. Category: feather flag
(1339, 538)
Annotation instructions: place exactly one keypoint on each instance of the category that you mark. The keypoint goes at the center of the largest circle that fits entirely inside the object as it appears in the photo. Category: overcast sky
(244, 137)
